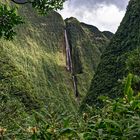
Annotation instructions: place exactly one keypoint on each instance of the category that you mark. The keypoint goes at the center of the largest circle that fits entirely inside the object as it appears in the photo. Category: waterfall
(74, 78)
(69, 65)
(68, 54)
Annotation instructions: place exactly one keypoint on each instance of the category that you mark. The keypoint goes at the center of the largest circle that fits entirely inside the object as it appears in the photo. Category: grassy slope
(113, 61)
(33, 70)
(35, 61)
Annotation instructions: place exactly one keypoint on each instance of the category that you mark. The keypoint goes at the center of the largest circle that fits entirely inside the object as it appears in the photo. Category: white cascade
(68, 54)
(69, 65)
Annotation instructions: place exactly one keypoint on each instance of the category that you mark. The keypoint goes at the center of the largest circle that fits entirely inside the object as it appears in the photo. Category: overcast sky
(104, 14)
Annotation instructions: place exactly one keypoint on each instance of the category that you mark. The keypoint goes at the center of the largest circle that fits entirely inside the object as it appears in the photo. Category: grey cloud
(99, 13)
(121, 4)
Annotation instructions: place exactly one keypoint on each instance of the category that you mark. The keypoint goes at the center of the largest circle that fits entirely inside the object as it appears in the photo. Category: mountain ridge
(112, 67)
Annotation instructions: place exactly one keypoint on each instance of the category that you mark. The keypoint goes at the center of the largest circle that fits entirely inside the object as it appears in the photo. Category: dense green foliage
(112, 67)
(133, 63)
(45, 6)
(9, 17)
(133, 66)
(33, 73)
(31, 68)
(8, 20)
(118, 120)
(36, 91)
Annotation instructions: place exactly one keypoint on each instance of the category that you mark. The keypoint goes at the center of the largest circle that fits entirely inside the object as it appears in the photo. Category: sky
(104, 14)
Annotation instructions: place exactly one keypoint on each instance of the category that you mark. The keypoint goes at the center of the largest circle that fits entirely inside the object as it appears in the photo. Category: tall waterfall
(68, 54)
(74, 78)
(69, 65)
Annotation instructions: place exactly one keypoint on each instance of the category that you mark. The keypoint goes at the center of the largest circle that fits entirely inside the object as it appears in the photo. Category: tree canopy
(9, 17)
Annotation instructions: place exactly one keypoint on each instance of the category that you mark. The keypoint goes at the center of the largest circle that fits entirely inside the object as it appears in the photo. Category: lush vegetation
(9, 17)
(36, 91)
(33, 73)
(118, 119)
(31, 68)
(113, 67)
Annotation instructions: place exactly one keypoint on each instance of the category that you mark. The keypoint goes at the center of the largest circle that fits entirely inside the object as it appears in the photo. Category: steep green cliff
(33, 71)
(112, 67)
(87, 44)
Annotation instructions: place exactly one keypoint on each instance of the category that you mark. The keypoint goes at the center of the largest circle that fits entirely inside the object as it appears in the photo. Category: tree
(9, 17)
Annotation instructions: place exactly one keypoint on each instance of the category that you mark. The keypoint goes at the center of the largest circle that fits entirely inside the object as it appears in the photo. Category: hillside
(86, 48)
(33, 66)
(113, 66)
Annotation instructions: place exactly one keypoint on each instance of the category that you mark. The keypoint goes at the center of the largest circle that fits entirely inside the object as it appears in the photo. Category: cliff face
(33, 72)
(112, 67)
(86, 43)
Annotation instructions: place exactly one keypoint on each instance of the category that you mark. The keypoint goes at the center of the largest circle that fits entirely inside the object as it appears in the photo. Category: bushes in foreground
(118, 119)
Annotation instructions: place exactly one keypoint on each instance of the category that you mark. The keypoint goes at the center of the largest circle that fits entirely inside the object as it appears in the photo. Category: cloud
(104, 14)
(121, 4)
